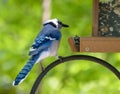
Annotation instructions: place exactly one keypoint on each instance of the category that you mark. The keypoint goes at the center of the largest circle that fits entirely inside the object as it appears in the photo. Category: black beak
(65, 25)
(62, 24)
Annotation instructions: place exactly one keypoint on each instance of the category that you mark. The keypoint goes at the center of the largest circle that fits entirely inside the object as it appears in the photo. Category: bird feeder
(105, 29)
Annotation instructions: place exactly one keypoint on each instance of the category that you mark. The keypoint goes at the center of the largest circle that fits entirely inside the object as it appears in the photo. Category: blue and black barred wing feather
(44, 41)
(41, 43)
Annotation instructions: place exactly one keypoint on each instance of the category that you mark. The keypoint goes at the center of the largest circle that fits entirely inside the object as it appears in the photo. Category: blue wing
(40, 43)
(44, 40)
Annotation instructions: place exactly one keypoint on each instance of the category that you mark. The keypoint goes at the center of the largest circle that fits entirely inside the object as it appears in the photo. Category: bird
(46, 44)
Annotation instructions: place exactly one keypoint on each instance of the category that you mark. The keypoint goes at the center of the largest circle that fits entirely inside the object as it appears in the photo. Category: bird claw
(42, 68)
(60, 58)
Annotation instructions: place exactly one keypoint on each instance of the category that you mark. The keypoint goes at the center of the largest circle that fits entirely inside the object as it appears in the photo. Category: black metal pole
(69, 58)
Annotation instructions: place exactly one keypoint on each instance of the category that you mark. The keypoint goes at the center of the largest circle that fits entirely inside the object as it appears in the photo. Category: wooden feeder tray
(105, 30)
(95, 44)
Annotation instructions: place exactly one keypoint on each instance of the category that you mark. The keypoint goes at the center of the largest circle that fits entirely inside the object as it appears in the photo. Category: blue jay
(46, 44)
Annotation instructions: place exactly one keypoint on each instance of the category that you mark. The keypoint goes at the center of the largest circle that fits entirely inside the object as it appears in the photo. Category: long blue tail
(26, 69)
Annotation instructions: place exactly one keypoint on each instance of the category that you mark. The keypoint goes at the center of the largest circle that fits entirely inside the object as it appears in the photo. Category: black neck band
(50, 24)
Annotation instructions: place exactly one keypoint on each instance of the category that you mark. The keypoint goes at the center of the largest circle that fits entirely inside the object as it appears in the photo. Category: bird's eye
(59, 22)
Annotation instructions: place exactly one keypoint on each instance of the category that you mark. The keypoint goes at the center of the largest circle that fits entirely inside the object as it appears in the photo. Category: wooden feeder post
(105, 29)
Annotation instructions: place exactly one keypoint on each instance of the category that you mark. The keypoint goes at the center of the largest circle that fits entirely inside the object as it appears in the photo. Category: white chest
(54, 48)
(52, 51)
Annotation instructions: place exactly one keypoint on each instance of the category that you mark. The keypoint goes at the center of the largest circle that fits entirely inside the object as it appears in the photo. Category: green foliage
(20, 22)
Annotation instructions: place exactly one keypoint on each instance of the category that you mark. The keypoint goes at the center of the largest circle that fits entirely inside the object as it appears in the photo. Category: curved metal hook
(69, 58)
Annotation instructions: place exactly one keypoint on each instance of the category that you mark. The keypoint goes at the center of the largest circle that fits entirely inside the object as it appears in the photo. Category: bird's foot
(42, 68)
(60, 58)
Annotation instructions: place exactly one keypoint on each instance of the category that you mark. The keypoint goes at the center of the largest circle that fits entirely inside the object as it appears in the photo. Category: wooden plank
(97, 44)
(72, 44)
(95, 18)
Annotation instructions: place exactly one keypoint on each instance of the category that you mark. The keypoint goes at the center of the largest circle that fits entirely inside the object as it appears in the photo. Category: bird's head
(56, 23)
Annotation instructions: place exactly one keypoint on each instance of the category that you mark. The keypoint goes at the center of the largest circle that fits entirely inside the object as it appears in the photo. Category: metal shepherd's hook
(70, 58)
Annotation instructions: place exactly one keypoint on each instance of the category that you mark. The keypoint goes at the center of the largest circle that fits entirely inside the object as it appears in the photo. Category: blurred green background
(20, 22)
